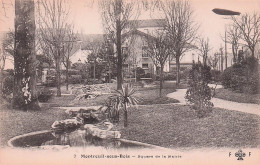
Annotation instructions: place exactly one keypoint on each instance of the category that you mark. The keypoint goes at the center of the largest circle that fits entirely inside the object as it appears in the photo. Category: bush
(8, 85)
(44, 94)
(242, 77)
(216, 75)
(199, 93)
(169, 77)
(75, 79)
(139, 73)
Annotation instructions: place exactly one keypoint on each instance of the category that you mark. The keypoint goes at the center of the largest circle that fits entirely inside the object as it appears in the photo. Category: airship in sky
(225, 12)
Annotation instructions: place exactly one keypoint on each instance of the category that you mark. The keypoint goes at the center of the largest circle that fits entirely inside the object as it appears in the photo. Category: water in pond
(73, 139)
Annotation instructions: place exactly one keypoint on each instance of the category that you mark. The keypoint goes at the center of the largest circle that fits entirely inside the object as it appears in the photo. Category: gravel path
(220, 103)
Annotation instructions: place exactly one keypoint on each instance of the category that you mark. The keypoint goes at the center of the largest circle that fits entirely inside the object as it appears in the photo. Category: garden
(150, 119)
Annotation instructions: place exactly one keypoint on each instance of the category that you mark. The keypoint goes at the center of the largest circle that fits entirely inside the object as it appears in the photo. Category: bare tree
(249, 27)
(158, 50)
(213, 61)
(116, 15)
(204, 49)
(24, 93)
(53, 22)
(70, 39)
(96, 48)
(180, 27)
(233, 37)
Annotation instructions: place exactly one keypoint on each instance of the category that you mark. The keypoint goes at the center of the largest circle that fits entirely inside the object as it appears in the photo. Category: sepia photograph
(129, 82)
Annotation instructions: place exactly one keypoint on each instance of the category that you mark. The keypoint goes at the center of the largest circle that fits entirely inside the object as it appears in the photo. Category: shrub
(169, 77)
(8, 85)
(139, 73)
(112, 109)
(75, 79)
(242, 77)
(216, 75)
(199, 93)
(44, 94)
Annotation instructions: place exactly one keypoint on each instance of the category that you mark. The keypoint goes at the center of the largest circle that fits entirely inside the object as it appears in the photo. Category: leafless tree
(96, 48)
(159, 49)
(204, 49)
(116, 16)
(52, 23)
(213, 61)
(249, 27)
(24, 92)
(70, 39)
(233, 36)
(180, 26)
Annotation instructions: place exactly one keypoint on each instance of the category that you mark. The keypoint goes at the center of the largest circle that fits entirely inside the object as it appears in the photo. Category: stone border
(10, 142)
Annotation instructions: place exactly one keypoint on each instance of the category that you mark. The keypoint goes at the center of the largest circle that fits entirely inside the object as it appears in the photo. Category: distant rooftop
(150, 23)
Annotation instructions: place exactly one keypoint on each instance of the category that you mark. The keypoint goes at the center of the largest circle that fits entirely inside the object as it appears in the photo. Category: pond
(78, 138)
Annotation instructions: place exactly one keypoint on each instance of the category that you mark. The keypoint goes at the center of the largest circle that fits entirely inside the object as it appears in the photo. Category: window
(124, 50)
(144, 51)
(125, 68)
(145, 66)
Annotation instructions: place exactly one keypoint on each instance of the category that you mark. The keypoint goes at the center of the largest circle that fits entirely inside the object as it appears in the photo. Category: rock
(73, 111)
(67, 124)
(87, 96)
(102, 133)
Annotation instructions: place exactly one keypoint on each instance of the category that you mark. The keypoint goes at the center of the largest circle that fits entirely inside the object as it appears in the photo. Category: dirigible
(225, 12)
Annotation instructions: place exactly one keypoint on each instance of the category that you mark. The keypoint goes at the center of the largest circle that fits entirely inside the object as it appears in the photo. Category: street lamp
(228, 13)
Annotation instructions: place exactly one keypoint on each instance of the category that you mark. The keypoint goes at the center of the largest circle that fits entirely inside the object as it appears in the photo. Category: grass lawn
(175, 126)
(16, 122)
(146, 96)
(151, 96)
(172, 126)
(229, 95)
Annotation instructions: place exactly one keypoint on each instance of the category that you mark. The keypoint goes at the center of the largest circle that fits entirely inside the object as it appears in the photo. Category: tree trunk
(234, 53)
(221, 61)
(119, 47)
(1, 82)
(94, 70)
(178, 70)
(125, 116)
(161, 80)
(58, 75)
(24, 93)
(253, 51)
(67, 75)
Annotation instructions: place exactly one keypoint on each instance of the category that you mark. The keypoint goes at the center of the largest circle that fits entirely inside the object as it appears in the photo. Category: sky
(86, 17)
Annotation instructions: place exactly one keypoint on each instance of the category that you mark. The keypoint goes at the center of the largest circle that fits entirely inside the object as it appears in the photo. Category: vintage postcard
(129, 82)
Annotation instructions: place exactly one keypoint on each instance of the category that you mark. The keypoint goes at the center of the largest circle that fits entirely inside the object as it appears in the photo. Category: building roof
(149, 23)
(85, 39)
(138, 32)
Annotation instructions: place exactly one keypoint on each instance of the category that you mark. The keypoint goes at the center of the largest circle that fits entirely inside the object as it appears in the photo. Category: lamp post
(227, 13)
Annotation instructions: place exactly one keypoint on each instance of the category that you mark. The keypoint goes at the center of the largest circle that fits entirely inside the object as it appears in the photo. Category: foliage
(82, 69)
(8, 85)
(112, 109)
(125, 99)
(139, 73)
(44, 94)
(242, 77)
(216, 75)
(75, 79)
(199, 93)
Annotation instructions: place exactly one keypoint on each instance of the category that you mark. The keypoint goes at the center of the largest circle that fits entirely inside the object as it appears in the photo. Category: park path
(220, 103)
